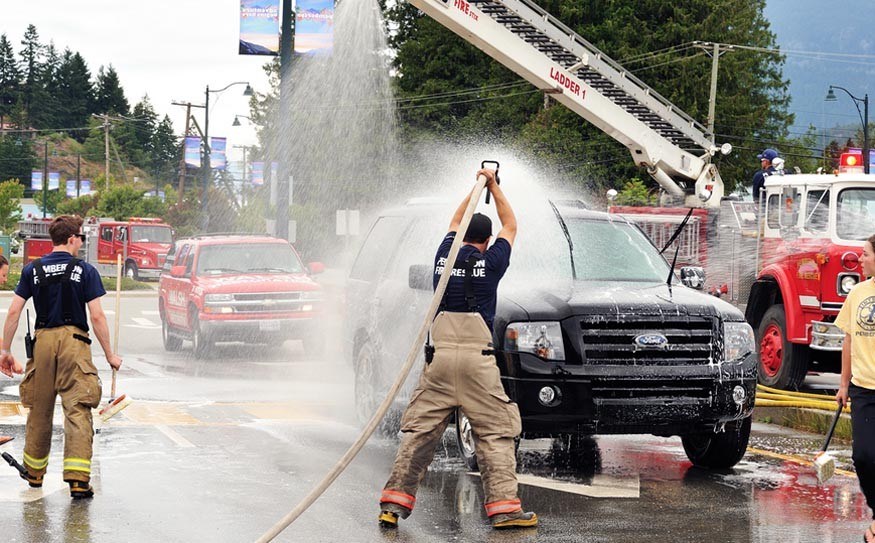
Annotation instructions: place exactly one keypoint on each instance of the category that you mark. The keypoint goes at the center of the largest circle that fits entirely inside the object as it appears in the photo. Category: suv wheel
(132, 272)
(201, 344)
(718, 451)
(172, 343)
(369, 393)
(781, 364)
(465, 441)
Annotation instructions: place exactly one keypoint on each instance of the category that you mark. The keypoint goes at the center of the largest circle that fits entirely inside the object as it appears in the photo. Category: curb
(816, 421)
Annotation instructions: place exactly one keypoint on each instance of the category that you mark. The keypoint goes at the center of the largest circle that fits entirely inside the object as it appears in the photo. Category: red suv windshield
(151, 234)
(248, 258)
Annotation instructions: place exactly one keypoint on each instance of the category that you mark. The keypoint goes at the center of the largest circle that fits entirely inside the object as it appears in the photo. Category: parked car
(589, 336)
(237, 287)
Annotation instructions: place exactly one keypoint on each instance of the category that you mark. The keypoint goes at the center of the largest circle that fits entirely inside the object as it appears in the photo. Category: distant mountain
(837, 27)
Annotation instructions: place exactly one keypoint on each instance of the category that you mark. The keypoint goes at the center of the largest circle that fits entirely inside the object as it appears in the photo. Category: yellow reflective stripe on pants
(36, 463)
(77, 464)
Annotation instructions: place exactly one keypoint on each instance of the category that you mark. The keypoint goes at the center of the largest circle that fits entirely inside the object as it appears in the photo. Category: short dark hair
(3, 262)
(871, 241)
(63, 227)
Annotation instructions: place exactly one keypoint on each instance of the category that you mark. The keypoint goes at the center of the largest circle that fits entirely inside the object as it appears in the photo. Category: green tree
(165, 150)
(120, 202)
(53, 198)
(31, 57)
(11, 193)
(74, 91)
(10, 79)
(81, 206)
(110, 97)
(635, 193)
(17, 158)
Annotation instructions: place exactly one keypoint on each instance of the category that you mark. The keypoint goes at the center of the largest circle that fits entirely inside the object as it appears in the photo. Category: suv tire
(369, 392)
(781, 364)
(172, 343)
(718, 451)
(465, 441)
(201, 345)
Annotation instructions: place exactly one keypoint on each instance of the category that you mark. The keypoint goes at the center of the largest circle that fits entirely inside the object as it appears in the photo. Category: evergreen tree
(74, 91)
(110, 97)
(47, 109)
(10, 79)
(165, 150)
(31, 57)
(18, 158)
(136, 136)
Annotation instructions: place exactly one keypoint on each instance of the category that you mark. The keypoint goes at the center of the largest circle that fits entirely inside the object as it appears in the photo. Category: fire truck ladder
(671, 145)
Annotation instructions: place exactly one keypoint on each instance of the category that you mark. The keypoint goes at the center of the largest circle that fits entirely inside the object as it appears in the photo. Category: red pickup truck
(238, 287)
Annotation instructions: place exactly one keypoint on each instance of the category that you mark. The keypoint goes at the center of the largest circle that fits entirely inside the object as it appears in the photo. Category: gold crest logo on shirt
(866, 314)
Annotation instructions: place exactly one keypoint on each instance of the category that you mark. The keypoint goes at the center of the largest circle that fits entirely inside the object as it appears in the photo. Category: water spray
(371, 426)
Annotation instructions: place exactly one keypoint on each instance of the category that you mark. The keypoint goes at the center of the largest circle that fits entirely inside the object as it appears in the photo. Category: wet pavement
(219, 450)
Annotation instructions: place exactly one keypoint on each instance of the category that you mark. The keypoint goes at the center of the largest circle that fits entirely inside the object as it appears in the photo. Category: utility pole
(78, 172)
(714, 50)
(45, 176)
(284, 168)
(182, 166)
(105, 119)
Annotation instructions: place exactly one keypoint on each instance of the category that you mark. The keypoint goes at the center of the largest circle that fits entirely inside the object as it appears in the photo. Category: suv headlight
(213, 298)
(543, 339)
(738, 340)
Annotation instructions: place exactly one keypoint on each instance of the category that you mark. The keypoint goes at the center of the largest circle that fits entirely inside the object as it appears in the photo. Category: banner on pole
(218, 160)
(192, 151)
(84, 187)
(259, 27)
(71, 188)
(54, 180)
(314, 26)
(36, 180)
(257, 173)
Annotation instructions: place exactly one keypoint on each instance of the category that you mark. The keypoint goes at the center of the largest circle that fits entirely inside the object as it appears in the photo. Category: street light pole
(45, 176)
(864, 118)
(207, 167)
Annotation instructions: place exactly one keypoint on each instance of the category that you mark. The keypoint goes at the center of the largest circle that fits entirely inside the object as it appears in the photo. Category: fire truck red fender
(775, 286)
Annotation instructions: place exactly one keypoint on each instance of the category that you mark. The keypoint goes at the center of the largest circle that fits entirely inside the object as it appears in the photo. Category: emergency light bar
(851, 163)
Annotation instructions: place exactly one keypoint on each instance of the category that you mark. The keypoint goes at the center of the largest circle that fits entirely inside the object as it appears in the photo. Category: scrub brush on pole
(824, 463)
(115, 404)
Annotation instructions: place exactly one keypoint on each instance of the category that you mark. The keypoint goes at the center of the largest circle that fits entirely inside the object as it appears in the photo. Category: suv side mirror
(177, 271)
(693, 277)
(316, 268)
(420, 277)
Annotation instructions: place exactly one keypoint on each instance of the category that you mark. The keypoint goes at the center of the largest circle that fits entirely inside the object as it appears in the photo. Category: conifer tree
(10, 80)
(110, 97)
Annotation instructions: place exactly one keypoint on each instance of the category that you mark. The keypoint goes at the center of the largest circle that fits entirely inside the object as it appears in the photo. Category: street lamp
(864, 118)
(205, 220)
(237, 119)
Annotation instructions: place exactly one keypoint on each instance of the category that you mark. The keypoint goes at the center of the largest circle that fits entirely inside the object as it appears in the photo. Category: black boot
(80, 490)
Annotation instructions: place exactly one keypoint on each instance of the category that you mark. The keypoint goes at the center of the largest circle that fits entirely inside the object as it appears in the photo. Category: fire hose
(773, 397)
(415, 350)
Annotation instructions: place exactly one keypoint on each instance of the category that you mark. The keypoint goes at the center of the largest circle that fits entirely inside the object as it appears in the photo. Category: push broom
(115, 404)
(824, 463)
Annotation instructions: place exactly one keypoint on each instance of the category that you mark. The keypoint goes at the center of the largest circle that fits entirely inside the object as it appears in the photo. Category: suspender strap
(67, 291)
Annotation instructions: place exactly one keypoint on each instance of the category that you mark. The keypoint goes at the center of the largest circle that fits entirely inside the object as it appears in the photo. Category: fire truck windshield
(248, 258)
(855, 215)
(151, 234)
(614, 251)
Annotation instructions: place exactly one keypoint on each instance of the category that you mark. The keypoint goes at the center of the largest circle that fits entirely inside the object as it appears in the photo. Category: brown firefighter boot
(80, 490)
(388, 519)
(517, 519)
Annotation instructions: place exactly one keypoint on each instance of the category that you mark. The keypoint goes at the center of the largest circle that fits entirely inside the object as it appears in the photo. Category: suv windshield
(855, 215)
(150, 234)
(615, 251)
(248, 258)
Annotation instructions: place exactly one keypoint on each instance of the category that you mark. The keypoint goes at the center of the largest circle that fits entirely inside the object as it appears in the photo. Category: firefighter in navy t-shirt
(61, 286)
(463, 374)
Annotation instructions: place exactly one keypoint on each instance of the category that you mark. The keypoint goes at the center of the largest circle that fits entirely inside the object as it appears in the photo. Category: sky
(168, 49)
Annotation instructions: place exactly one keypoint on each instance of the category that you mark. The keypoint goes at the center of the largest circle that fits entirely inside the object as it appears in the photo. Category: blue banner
(54, 181)
(71, 188)
(36, 180)
(193, 151)
(259, 27)
(217, 153)
(84, 187)
(314, 26)
(257, 174)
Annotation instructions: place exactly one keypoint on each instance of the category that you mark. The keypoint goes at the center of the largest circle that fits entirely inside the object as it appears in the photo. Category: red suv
(237, 287)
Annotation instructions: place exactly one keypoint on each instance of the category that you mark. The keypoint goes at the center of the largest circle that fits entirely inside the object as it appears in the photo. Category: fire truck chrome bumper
(826, 336)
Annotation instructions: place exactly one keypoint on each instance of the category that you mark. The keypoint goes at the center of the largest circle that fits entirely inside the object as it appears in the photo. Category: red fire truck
(789, 266)
(142, 242)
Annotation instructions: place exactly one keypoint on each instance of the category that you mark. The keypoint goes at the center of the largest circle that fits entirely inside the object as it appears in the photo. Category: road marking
(150, 312)
(143, 367)
(13, 489)
(174, 436)
(143, 323)
(795, 459)
(601, 486)
(155, 413)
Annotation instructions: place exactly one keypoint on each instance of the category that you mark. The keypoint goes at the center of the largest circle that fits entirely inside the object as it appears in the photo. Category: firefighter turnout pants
(61, 365)
(460, 375)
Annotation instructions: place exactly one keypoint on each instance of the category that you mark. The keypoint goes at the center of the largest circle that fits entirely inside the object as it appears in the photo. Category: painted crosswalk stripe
(174, 436)
(143, 323)
(150, 312)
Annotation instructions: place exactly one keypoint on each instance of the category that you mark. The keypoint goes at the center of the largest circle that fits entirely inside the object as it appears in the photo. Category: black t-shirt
(85, 282)
(488, 271)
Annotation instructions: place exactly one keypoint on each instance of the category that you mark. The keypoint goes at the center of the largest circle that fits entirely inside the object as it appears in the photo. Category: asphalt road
(219, 450)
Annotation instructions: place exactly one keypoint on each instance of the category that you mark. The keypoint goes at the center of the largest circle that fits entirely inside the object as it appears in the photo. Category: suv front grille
(267, 302)
(610, 340)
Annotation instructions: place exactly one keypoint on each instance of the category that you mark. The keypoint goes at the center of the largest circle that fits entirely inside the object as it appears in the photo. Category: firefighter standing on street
(766, 169)
(61, 285)
(462, 373)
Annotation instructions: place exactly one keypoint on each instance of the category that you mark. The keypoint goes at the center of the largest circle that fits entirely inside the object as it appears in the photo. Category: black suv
(589, 337)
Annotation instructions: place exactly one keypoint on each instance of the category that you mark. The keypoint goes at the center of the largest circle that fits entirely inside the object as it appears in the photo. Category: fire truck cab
(142, 242)
(812, 233)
